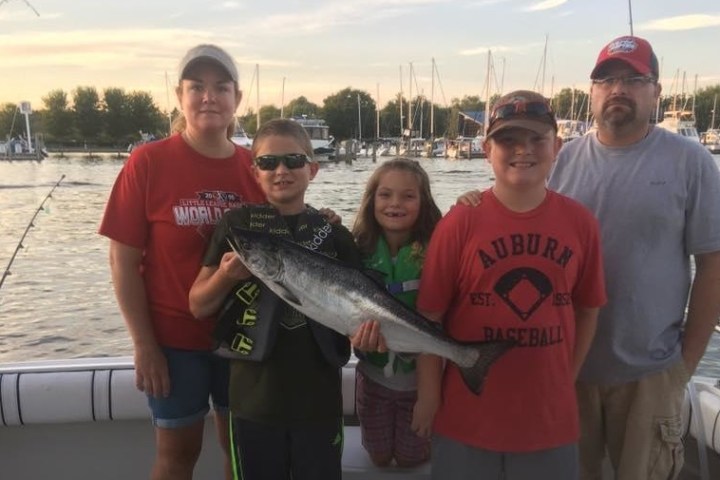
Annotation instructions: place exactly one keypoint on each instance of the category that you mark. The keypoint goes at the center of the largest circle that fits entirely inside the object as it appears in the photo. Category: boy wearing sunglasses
(285, 382)
(523, 264)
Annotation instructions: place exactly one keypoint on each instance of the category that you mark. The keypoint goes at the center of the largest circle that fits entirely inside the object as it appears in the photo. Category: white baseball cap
(212, 53)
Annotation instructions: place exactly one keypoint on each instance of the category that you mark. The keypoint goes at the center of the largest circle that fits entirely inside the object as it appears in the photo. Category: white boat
(681, 122)
(412, 147)
(711, 140)
(84, 419)
(569, 130)
(319, 132)
(466, 147)
(435, 148)
(240, 137)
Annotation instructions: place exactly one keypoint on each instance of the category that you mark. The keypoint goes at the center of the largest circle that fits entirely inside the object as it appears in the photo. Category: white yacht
(319, 132)
(240, 137)
(711, 140)
(681, 122)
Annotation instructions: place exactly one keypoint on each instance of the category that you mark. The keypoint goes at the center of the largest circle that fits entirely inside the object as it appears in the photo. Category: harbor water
(58, 301)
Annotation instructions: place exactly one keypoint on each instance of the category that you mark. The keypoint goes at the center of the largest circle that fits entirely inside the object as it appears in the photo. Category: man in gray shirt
(657, 198)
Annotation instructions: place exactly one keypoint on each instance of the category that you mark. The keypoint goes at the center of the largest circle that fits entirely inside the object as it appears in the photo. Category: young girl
(393, 226)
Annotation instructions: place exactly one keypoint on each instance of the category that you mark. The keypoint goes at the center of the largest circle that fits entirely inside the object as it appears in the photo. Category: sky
(315, 48)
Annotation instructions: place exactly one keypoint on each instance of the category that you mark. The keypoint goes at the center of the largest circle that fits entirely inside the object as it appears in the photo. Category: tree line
(117, 118)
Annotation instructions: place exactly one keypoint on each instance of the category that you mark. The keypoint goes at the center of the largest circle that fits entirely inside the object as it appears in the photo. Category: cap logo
(623, 45)
(518, 102)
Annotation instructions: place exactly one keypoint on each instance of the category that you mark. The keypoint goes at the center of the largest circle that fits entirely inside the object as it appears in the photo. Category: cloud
(500, 49)
(109, 49)
(229, 5)
(682, 22)
(486, 3)
(337, 14)
(545, 5)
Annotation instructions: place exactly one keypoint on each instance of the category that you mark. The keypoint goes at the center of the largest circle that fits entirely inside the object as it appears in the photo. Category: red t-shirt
(498, 274)
(166, 200)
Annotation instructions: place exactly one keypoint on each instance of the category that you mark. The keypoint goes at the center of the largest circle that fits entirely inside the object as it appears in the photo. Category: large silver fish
(342, 298)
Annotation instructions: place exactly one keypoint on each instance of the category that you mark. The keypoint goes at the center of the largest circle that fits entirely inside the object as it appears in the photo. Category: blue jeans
(195, 377)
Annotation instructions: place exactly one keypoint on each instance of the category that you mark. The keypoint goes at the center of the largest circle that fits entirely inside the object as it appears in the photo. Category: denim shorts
(195, 377)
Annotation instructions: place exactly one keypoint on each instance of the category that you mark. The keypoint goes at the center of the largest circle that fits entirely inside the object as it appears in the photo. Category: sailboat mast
(167, 99)
(282, 100)
(630, 14)
(432, 102)
(544, 62)
(400, 102)
(410, 102)
(712, 119)
(257, 95)
(377, 113)
(487, 96)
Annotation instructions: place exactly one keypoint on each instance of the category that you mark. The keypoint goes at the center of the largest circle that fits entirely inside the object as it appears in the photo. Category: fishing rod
(27, 229)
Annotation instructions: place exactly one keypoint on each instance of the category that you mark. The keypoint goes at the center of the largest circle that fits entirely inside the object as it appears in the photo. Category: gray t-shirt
(658, 203)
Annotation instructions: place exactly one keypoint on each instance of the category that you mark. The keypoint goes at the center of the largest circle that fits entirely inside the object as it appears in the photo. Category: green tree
(301, 106)
(569, 105)
(470, 103)
(350, 113)
(706, 100)
(116, 112)
(88, 117)
(441, 117)
(145, 116)
(58, 125)
(11, 122)
(249, 120)
(390, 117)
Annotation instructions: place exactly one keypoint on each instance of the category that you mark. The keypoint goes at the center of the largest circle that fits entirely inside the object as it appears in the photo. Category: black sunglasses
(523, 109)
(290, 160)
(530, 109)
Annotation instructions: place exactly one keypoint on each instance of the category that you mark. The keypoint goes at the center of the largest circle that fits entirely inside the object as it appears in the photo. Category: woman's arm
(151, 375)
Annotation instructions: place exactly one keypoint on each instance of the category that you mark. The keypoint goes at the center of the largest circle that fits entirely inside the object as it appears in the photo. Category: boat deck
(84, 419)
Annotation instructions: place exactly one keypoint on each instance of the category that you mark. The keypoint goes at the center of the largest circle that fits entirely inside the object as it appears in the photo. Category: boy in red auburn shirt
(524, 264)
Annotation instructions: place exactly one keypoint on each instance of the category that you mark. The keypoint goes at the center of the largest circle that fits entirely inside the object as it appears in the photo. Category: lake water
(59, 303)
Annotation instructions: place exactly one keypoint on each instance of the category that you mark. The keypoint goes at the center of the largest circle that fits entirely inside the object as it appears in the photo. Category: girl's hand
(368, 338)
(232, 267)
(472, 198)
(331, 216)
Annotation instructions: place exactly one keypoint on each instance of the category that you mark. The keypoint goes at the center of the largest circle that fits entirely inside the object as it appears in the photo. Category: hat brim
(541, 128)
(639, 67)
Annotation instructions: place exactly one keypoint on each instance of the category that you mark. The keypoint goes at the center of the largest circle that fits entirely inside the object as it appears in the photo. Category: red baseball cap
(633, 51)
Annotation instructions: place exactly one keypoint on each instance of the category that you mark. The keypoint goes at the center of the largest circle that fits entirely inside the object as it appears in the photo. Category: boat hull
(84, 419)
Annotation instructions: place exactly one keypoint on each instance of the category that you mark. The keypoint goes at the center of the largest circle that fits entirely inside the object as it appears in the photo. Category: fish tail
(488, 353)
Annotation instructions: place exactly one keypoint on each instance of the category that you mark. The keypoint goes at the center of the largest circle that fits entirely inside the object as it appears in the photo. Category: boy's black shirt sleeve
(345, 246)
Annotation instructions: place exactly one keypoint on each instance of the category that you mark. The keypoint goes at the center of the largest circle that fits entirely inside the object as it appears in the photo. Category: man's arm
(703, 308)
(585, 326)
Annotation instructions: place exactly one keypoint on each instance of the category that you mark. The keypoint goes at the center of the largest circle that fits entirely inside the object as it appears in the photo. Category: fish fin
(375, 275)
(287, 295)
(488, 353)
